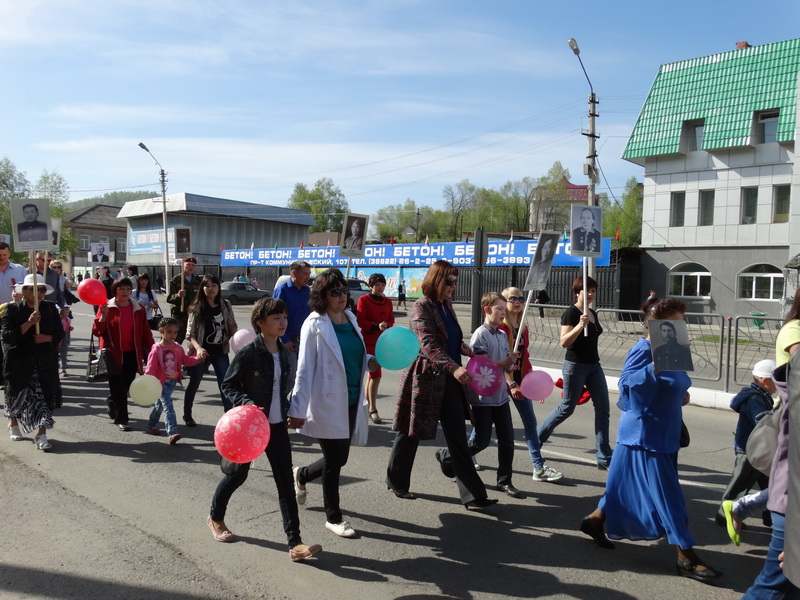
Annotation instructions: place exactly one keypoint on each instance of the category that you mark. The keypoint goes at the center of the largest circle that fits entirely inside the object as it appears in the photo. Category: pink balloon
(92, 291)
(242, 434)
(537, 385)
(241, 338)
(487, 377)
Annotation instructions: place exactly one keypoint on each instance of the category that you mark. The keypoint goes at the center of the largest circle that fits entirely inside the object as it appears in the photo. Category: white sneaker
(14, 433)
(342, 529)
(547, 474)
(42, 443)
(299, 490)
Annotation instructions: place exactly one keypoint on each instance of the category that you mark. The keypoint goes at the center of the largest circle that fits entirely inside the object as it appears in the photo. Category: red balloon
(92, 291)
(487, 377)
(242, 434)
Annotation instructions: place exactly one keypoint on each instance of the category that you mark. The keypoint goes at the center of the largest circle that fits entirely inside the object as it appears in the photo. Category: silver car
(237, 292)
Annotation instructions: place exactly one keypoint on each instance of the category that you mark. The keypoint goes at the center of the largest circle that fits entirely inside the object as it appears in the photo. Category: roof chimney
(742, 45)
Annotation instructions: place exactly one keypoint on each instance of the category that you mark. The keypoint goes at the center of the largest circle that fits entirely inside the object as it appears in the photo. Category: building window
(121, 245)
(103, 239)
(690, 280)
(676, 209)
(693, 134)
(780, 203)
(705, 214)
(761, 282)
(85, 242)
(749, 205)
(767, 127)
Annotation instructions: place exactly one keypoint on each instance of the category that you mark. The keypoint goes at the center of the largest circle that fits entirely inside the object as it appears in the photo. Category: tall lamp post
(589, 168)
(163, 177)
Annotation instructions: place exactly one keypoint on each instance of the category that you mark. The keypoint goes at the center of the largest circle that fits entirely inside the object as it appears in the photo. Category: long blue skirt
(643, 499)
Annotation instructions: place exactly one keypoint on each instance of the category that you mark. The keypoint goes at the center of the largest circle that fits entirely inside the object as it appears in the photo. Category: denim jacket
(249, 378)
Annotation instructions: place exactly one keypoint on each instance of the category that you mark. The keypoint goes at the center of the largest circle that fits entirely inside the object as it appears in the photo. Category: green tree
(325, 202)
(626, 214)
(53, 187)
(458, 200)
(551, 202)
(113, 199)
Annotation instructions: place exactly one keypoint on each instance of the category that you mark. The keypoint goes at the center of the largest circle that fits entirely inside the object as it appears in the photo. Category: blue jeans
(576, 376)
(164, 404)
(220, 362)
(771, 583)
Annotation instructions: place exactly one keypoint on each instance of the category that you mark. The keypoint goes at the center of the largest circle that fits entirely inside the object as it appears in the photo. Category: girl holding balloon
(209, 330)
(259, 375)
(165, 362)
(375, 315)
(514, 328)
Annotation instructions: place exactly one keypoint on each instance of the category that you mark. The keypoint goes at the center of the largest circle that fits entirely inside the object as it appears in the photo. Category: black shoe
(447, 467)
(603, 465)
(510, 490)
(597, 535)
(480, 503)
(189, 422)
(687, 568)
(123, 427)
(401, 494)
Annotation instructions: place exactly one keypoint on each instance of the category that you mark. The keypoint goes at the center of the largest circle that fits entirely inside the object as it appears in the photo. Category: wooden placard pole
(523, 322)
(36, 285)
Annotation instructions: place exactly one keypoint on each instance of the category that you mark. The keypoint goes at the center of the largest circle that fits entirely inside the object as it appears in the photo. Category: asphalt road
(120, 515)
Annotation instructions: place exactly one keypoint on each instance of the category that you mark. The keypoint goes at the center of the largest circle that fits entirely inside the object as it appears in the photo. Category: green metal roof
(724, 90)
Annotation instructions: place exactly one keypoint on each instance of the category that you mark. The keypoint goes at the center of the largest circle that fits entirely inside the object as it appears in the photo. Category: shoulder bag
(100, 365)
(763, 440)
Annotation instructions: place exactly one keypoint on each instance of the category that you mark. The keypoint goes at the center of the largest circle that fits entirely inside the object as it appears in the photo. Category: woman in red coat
(123, 329)
(375, 315)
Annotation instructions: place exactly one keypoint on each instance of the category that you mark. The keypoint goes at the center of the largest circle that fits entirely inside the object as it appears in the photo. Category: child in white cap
(750, 402)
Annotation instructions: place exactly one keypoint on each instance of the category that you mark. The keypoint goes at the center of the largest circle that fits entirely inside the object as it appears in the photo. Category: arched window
(690, 280)
(761, 282)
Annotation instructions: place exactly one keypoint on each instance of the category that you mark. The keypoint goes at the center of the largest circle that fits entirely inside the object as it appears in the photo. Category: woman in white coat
(328, 397)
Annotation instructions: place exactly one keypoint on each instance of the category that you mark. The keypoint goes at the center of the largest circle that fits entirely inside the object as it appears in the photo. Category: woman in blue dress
(643, 498)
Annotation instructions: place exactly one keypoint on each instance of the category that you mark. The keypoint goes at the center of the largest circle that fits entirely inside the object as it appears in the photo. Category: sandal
(14, 433)
(373, 414)
(221, 536)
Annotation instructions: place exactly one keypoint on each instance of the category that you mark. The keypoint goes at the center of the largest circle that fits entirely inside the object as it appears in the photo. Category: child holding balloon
(165, 362)
(260, 375)
(491, 404)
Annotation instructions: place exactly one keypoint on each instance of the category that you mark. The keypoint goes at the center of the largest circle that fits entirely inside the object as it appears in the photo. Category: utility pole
(416, 227)
(163, 179)
(589, 169)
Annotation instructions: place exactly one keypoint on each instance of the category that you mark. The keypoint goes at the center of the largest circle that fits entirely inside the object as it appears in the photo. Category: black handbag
(100, 364)
(685, 437)
(155, 319)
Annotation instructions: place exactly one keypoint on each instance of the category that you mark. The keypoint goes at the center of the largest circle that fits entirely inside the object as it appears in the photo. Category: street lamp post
(589, 168)
(163, 178)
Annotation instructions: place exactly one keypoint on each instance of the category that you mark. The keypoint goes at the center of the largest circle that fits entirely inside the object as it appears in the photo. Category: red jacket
(370, 314)
(110, 336)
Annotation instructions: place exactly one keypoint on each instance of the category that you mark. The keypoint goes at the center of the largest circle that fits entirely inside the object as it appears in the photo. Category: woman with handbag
(328, 396)
(145, 296)
(643, 498)
(209, 331)
(29, 367)
(123, 331)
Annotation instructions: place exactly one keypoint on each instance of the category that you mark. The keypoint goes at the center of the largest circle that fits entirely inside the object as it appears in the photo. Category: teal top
(353, 353)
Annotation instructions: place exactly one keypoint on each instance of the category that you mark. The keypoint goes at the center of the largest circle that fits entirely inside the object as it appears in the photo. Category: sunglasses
(336, 292)
(41, 290)
(516, 299)
(450, 281)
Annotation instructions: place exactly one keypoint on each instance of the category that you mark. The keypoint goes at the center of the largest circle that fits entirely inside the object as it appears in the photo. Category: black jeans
(452, 417)
(335, 453)
(279, 454)
(118, 386)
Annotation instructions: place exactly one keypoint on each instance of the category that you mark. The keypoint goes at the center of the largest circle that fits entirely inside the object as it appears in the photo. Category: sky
(242, 99)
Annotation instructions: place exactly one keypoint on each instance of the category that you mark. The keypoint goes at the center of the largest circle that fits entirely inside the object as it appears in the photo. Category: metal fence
(723, 350)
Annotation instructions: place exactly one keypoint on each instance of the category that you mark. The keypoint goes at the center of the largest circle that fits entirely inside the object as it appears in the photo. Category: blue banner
(501, 253)
(150, 239)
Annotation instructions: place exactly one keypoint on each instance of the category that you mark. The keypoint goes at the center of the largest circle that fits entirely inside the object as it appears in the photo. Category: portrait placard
(354, 235)
(670, 343)
(183, 242)
(100, 253)
(32, 224)
(539, 272)
(586, 227)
